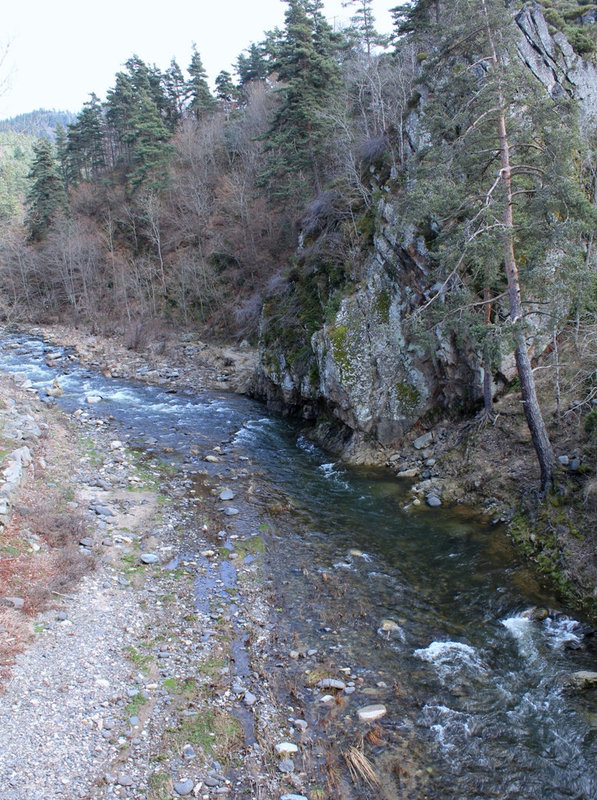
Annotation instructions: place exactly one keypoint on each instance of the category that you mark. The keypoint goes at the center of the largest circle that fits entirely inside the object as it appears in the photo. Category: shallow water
(475, 689)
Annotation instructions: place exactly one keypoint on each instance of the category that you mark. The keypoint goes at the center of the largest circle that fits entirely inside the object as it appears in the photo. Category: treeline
(168, 200)
(42, 122)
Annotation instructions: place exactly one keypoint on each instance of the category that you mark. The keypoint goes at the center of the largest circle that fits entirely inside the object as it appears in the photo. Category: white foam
(451, 655)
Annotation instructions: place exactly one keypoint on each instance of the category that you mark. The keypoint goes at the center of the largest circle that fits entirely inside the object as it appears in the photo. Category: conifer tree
(253, 66)
(495, 184)
(46, 197)
(200, 99)
(363, 26)
(298, 138)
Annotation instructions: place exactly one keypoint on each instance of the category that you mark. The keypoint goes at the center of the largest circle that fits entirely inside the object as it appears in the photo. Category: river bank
(130, 675)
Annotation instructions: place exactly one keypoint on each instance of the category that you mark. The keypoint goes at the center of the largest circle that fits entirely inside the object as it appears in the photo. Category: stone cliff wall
(363, 371)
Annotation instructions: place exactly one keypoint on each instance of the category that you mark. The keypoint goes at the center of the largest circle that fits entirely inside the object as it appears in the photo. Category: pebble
(227, 494)
(286, 748)
(14, 602)
(185, 787)
(331, 683)
(125, 780)
(231, 511)
(250, 699)
(371, 713)
(149, 558)
(433, 501)
(188, 751)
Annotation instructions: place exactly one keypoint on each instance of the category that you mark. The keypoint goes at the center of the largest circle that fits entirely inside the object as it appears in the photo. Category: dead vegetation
(40, 556)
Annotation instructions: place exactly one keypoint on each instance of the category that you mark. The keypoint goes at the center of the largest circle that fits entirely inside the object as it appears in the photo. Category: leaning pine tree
(495, 185)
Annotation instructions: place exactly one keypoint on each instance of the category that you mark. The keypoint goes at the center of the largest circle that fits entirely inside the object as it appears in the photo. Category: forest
(332, 161)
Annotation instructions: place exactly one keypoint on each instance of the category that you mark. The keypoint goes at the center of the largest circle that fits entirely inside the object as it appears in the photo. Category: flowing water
(423, 611)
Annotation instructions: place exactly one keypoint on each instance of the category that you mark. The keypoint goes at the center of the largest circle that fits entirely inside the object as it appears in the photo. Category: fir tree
(495, 185)
(46, 197)
(298, 139)
(200, 99)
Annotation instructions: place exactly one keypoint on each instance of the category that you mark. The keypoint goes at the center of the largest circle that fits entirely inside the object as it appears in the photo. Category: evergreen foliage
(297, 143)
(46, 198)
(199, 97)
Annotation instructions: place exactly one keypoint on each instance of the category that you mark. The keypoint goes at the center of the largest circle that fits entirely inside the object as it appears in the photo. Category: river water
(423, 611)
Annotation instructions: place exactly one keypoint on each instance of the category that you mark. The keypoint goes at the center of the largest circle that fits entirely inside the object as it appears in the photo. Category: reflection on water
(422, 611)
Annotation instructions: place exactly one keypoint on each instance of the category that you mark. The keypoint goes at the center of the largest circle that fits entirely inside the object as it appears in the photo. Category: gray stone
(331, 683)
(93, 399)
(286, 765)
(250, 699)
(227, 494)
(185, 787)
(433, 500)
(14, 602)
(286, 748)
(293, 797)
(149, 558)
(371, 713)
(231, 511)
(423, 441)
(125, 780)
(188, 751)
(86, 541)
(103, 511)
(563, 460)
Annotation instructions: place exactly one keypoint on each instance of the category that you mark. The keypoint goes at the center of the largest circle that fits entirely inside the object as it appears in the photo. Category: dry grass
(40, 513)
(361, 768)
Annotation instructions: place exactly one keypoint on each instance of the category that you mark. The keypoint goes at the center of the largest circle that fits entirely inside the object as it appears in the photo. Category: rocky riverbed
(141, 676)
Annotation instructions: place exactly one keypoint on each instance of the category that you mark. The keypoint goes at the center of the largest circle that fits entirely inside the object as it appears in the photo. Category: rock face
(360, 367)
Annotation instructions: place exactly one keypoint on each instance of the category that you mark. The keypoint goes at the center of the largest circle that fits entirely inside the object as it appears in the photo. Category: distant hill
(38, 123)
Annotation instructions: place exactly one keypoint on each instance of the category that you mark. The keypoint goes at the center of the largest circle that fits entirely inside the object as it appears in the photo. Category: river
(423, 610)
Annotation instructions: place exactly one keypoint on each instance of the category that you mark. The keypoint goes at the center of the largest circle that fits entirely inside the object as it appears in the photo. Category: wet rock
(584, 679)
(371, 713)
(212, 459)
(93, 399)
(389, 626)
(433, 501)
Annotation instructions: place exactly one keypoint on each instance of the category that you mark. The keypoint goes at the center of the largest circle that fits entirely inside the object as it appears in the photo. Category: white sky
(60, 51)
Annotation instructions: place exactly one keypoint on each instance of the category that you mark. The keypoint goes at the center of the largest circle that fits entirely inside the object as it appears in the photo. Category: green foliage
(46, 197)
(298, 138)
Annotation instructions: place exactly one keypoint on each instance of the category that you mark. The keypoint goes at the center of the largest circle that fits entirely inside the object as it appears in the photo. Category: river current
(426, 610)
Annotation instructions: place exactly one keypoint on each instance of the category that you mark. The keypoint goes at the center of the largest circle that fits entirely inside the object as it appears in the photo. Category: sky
(55, 54)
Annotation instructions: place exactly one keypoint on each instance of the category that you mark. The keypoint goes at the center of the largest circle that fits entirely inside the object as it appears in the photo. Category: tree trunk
(532, 411)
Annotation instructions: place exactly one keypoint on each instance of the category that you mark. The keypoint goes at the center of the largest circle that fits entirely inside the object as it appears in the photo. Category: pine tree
(253, 66)
(136, 113)
(495, 186)
(46, 197)
(362, 27)
(225, 88)
(200, 99)
(85, 150)
(298, 139)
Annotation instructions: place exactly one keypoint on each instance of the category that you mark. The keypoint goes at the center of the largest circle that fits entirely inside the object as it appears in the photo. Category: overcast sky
(61, 51)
